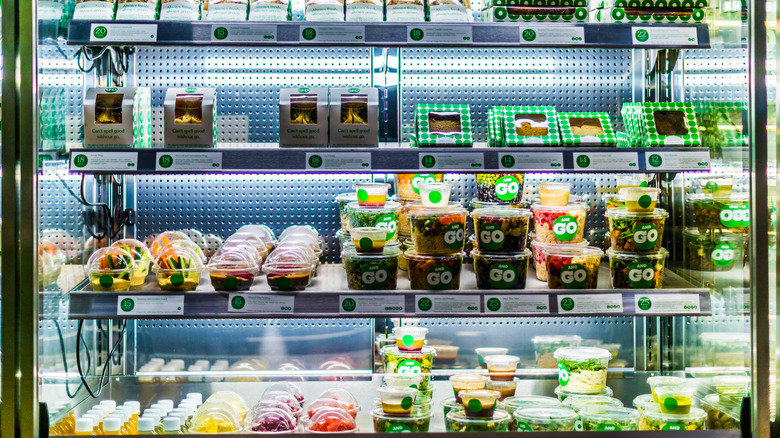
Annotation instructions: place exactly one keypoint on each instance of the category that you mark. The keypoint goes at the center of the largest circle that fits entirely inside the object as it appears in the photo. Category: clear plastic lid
(731, 381)
(232, 398)
(347, 197)
(197, 237)
(312, 255)
(245, 247)
(608, 414)
(541, 246)
(289, 254)
(572, 206)
(389, 207)
(269, 404)
(331, 420)
(529, 401)
(305, 239)
(415, 415)
(501, 360)
(306, 230)
(622, 213)
(271, 420)
(389, 252)
(500, 213)
(178, 259)
(403, 380)
(396, 352)
(164, 239)
(287, 387)
(432, 212)
(577, 402)
(112, 261)
(526, 254)
(229, 260)
(135, 247)
(582, 353)
(562, 393)
(213, 420)
(477, 204)
(288, 268)
(625, 255)
(290, 400)
(341, 395)
(322, 403)
(644, 401)
(261, 231)
(499, 417)
(696, 414)
(547, 414)
(570, 251)
(557, 339)
(189, 244)
(414, 255)
(656, 381)
(251, 239)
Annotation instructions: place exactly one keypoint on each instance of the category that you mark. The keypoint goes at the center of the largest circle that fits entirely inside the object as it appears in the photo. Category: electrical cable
(109, 359)
(65, 363)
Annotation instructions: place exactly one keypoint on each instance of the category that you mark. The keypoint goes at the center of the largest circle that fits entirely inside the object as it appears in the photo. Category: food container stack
(672, 407)
(658, 124)
(399, 411)
(474, 408)
(582, 371)
(501, 257)
(407, 193)
(410, 356)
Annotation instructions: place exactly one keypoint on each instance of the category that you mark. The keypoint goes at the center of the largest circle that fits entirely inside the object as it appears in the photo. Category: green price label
(220, 33)
(529, 35)
(100, 32)
(348, 304)
(309, 33)
(315, 161)
(644, 303)
(416, 34)
(127, 305)
(655, 160)
(567, 304)
(642, 35)
(583, 161)
(508, 161)
(494, 304)
(80, 161)
(425, 304)
(428, 161)
(166, 161)
(238, 302)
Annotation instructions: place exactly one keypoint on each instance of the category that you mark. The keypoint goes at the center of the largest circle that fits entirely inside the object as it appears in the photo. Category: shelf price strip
(338, 161)
(137, 305)
(257, 303)
(664, 36)
(235, 33)
(371, 304)
(606, 161)
(517, 304)
(188, 161)
(531, 161)
(694, 160)
(552, 35)
(597, 303)
(435, 304)
(104, 161)
(332, 34)
(667, 303)
(123, 33)
(465, 161)
(440, 34)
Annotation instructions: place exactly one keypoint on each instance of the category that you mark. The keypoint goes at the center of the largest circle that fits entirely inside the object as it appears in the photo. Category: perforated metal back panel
(60, 76)
(60, 212)
(715, 75)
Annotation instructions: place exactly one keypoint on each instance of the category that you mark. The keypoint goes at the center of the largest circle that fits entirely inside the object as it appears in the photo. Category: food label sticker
(677, 36)
(517, 304)
(565, 228)
(104, 161)
(439, 277)
(430, 304)
(694, 160)
(439, 34)
(645, 236)
(601, 303)
(186, 161)
(491, 236)
(374, 275)
(531, 161)
(552, 34)
(507, 188)
(454, 235)
(641, 274)
(465, 161)
(563, 374)
(723, 255)
(136, 305)
(409, 366)
(735, 215)
(389, 222)
(338, 161)
(332, 34)
(123, 33)
(371, 304)
(501, 275)
(606, 161)
(258, 303)
(243, 33)
(667, 303)
(421, 178)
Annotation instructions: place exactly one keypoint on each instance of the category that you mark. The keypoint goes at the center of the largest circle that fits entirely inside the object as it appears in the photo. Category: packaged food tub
(409, 362)
(636, 232)
(512, 404)
(383, 217)
(559, 224)
(178, 269)
(286, 276)
(418, 421)
(450, 404)
(664, 382)
(331, 420)
(719, 416)
(726, 349)
(572, 268)
(440, 272)
(467, 382)
(637, 271)
(563, 393)
(271, 420)
(232, 270)
(372, 271)
(640, 199)
(582, 370)
(505, 388)
(479, 403)
(656, 420)
(407, 185)
(457, 421)
(504, 188)
(712, 252)
(396, 400)
(142, 257)
(720, 213)
(608, 419)
(343, 200)
(675, 400)
(549, 419)
(540, 260)
(435, 195)
(501, 271)
(110, 269)
(501, 230)
(554, 194)
(731, 389)
(545, 346)
(438, 231)
(501, 367)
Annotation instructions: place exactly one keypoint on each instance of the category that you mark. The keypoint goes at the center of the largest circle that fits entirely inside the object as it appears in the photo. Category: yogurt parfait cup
(369, 239)
(675, 400)
(573, 268)
(608, 419)
(664, 382)
(410, 338)
(540, 260)
(582, 370)
(560, 224)
(479, 403)
(397, 400)
(554, 194)
(435, 195)
(467, 382)
(502, 368)
(371, 194)
(640, 199)
(549, 419)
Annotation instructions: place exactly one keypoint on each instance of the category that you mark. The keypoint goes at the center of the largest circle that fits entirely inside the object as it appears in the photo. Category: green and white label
(563, 374)
(188, 161)
(372, 304)
(439, 34)
(693, 160)
(565, 228)
(432, 304)
(332, 34)
(597, 303)
(398, 428)
(514, 304)
(607, 427)
(522, 426)
(103, 161)
(388, 222)
(242, 33)
(673, 426)
(502, 275)
(574, 276)
(735, 216)
(531, 161)
(552, 35)
(621, 161)
(491, 236)
(409, 366)
(507, 188)
(422, 178)
(664, 36)
(641, 275)
(723, 255)
(260, 303)
(374, 275)
(123, 33)
(645, 236)
(454, 235)
(140, 305)
(464, 161)
(439, 277)
(338, 161)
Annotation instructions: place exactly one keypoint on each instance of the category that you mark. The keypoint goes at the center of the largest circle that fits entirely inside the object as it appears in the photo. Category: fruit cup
(640, 199)
(502, 368)
(369, 239)
(371, 194)
(554, 194)
(397, 400)
(435, 194)
(479, 403)
(410, 338)
(540, 260)
(467, 382)
(560, 224)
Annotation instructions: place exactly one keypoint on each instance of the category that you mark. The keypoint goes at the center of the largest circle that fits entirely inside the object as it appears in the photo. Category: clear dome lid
(261, 231)
(582, 353)
(271, 420)
(251, 239)
(189, 244)
(289, 254)
(287, 387)
(322, 403)
(135, 247)
(331, 420)
(244, 247)
(164, 239)
(341, 395)
(233, 259)
(213, 243)
(306, 249)
(174, 258)
(214, 420)
(302, 229)
(197, 237)
(111, 261)
(286, 398)
(268, 404)
(301, 238)
(231, 398)
(51, 247)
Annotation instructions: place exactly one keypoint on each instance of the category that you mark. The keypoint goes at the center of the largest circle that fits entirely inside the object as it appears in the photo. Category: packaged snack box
(530, 14)
(303, 117)
(354, 117)
(269, 10)
(136, 10)
(586, 128)
(443, 125)
(530, 125)
(118, 117)
(324, 10)
(225, 10)
(180, 10)
(94, 10)
(190, 117)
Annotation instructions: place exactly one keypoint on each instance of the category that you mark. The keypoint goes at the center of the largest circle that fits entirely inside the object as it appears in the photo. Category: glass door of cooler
(199, 199)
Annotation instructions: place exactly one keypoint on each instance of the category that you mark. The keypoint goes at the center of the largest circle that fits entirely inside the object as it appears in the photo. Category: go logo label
(645, 236)
(421, 178)
(502, 275)
(607, 428)
(573, 276)
(492, 236)
(563, 374)
(409, 367)
(398, 428)
(723, 255)
(388, 222)
(507, 188)
(522, 426)
(565, 228)
(374, 276)
(641, 274)
(453, 236)
(439, 277)
(735, 216)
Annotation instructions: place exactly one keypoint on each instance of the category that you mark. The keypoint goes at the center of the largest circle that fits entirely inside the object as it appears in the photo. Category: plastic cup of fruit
(479, 403)
(569, 268)
(674, 400)
(501, 230)
(142, 257)
(721, 186)
(417, 421)
(420, 362)
(583, 370)
(331, 420)
(540, 260)
(628, 270)
(434, 272)
(397, 400)
(369, 239)
(214, 421)
(609, 418)
(457, 421)
(403, 380)
(467, 382)
(484, 352)
(434, 195)
(632, 181)
(233, 270)
(663, 382)
(563, 394)
(110, 269)
(657, 420)
(554, 194)
(371, 194)
(438, 231)
(506, 388)
(410, 338)
(178, 269)
(731, 389)
(288, 276)
(549, 419)
(271, 421)
(560, 224)
(502, 367)
(640, 199)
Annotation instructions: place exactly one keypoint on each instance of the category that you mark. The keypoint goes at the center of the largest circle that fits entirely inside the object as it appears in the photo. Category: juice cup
(371, 194)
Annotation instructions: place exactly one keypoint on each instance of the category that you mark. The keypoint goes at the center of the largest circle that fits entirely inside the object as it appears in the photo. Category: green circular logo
(491, 236)
(388, 222)
(645, 236)
(127, 305)
(407, 403)
(190, 90)
(563, 374)
(502, 275)
(425, 304)
(522, 426)
(670, 403)
(354, 90)
(711, 187)
(303, 90)
(231, 283)
(349, 304)
(100, 32)
(366, 243)
(606, 427)
(407, 340)
(434, 197)
(398, 428)
(238, 302)
(641, 274)
(422, 178)
(573, 276)
(454, 235)
(655, 160)
(508, 161)
(416, 34)
(282, 283)
(567, 304)
(362, 195)
(165, 161)
(374, 275)
(220, 33)
(493, 304)
(565, 228)
(111, 90)
(315, 161)
(474, 405)
(529, 35)
(439, 277)
(583, 161)
(642, 35)
(80, 161)
(507, 188)
(106, 281)
(644, 303)
(723, 255)
(735, 216)
(428, 161)
(673, 426)
(409, 366)
(177, 279)
(309, 33)
(645, 201)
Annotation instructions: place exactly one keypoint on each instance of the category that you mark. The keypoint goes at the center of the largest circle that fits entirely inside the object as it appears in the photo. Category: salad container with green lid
(418, 421)
(637, 271)
(438, 231)
(371, 271)
(457, 421)
(636, 232)
(549, 419)
(572, 268)
(383, 217)
(501, 271)
(609, 418)
(428, 272)
(582, 370)
(657, 420)
(501, 230)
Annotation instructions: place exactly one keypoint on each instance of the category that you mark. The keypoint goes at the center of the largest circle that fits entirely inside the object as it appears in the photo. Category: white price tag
(667, 303)
(517, 304)
(312, 33)
(552, 34)
(439, 34)
(436, 161)
(606, 161)
(123, 33)
(600, 303)
(104, 161)
(432, 304)
(184, 161)
(531, 161)
(371, 304)
(694, 160)
(135, 305)
(236, 33)
(257, 303)
(338, 161)
(660, 36)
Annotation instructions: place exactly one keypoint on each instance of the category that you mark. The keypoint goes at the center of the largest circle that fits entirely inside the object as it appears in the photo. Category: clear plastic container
(640, 199)
(306, 230)
(560, 224)
(272, 420)
(550, 419)
(501, 367)
(188, 244)
(612, 200)
(545, 346)
(404, 223)
(418, 421)
(479, 403)
(427, 272)
(410, 338)
(467, 382)
(303, 240)
(446, 354)
(501, 271)
(720, 416)
(403, 380)
(331, 420)
(500, 187)
(569, 268)
(501, 230)
(342, 395)
(712, 252)
(506, 388)
(232, 270)
(289, 388)
(608, 419)
(450, 404)
(645, 401)
(164, 239)
(285, 276)
(384, 217)
(345, 240)
(323, 403)
(142, 257)
(664, 382)
(579, 402)
(637, 271)
(714, 213)
(293, 252)
(343, 200)
(229, 397)
(438, 231)
(263, 232)
(407, 185)
(717, 186)
(564, 394)
(371, 194)
(178, 269)
(369, 239)
(476, 204)
(245, 247)
(636, 232)
(632, 180)
(250, 238)
(540, 260)
(511, 404)
(110, 269)
(554, 194)
(582, 370)
(262, 405)
(214, 421)
(435, 195)
(371, 271)
(731, 389)
(420, 362)
(674, 400)
(656, 420)
(397, 400)
(290, 400)
(484, 352)
(726, 349)
(457, 421)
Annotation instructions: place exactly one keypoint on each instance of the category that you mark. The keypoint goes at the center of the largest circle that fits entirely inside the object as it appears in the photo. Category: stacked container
(410, 356)
(501, 257)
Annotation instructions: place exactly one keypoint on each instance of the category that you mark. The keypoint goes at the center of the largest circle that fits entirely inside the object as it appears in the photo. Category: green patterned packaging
(622, 140)
(118, 118)
(529, 14)
(495, 134)
(647, 16)
(530, 125)
(647, 4)
(586, 129)
(490, 3)
(661, 124)
(443, 125)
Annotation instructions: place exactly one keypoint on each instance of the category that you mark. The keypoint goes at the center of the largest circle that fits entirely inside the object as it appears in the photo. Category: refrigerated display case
(192, 234)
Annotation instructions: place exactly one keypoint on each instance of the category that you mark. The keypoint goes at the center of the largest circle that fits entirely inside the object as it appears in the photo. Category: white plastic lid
(154, 413)
(196, 396)
(84, 424)
(167, 403)
(135, 407)
(160, 407)
(171, 424)
(582, 353)
(112, 424)
(109, 404)
(146, 424)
